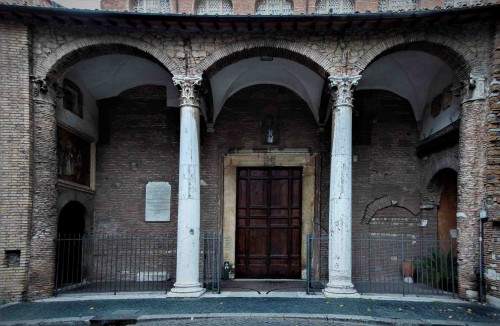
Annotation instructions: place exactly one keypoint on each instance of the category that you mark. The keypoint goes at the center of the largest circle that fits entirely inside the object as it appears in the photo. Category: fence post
(219, 266)
(308, 262)
(402, 262)
(452, 262)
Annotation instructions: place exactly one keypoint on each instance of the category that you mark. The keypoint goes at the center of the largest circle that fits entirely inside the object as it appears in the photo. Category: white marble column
(340, 212)
(188, 223)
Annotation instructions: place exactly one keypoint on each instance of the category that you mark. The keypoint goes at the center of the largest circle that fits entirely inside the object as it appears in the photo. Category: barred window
(214, 7)
(72, 98)
(153, 6)
(462, 3)
(397, 5)
(274, 7)
(334, 6)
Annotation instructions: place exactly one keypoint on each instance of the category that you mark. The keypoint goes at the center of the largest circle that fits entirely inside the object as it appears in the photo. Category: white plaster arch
(418, 77)
(109, 75)
(290, 74)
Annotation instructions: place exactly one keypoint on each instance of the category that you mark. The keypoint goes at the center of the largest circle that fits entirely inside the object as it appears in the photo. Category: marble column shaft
(340, 208)
(188, 229)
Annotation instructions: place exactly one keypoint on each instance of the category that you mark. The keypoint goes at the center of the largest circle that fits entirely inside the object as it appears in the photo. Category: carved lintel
(344, 85)
(269, 160)
(189, 87)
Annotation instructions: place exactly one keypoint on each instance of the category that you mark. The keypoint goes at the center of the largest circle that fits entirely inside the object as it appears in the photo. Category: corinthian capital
(344, 85)
(189, 87)
(45, 90)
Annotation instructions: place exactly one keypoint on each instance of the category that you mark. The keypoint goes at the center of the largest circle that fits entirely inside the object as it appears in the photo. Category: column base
(340, 290)
(186, 291)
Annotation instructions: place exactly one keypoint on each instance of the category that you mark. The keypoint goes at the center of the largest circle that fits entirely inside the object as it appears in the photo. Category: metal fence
(401, 264)
(90, 263)
(212, 253)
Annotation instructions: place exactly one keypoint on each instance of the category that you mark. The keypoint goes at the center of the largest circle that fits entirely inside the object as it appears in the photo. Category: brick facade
(144, 135)
(492, 179)
(16, 123)
(245, 7)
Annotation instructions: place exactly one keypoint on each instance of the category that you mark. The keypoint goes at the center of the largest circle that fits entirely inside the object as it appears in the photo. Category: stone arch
(457, 55)
(70, 53)
(435, 184)
(237, 51)
(437, 166)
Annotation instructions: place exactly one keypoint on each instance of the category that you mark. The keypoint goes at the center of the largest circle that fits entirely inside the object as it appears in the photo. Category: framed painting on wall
(75, 159)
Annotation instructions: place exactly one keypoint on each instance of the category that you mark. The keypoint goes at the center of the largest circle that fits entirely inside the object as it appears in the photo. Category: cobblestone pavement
(238, 308)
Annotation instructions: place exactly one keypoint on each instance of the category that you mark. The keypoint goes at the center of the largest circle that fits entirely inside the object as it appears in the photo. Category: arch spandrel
(69, 53)
(237, 51)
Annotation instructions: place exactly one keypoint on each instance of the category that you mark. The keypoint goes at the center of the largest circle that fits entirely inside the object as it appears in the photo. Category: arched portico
(465, 95)
(75, 61)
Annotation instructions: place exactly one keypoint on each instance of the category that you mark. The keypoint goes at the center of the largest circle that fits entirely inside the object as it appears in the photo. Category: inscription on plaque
(158, 202)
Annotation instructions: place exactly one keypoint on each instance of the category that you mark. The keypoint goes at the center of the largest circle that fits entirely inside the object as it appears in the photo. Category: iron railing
(317, 263)
(94, 263)
(212, 253)
(401, 264)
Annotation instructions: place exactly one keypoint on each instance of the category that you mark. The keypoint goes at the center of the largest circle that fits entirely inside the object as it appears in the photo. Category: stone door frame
(278, 158)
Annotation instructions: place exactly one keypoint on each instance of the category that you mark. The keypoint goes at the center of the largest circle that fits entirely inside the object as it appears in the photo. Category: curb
(84, 320)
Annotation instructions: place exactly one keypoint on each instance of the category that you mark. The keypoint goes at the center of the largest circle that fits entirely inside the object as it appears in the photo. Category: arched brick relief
(264, 47)
(383, 203)
(458, 56)
(70, 53)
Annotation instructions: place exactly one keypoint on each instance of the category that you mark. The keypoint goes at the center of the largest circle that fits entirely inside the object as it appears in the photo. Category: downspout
(483, 216)
(307, 7)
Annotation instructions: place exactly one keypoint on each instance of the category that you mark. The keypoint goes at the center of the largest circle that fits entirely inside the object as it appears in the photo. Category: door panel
(268, 226)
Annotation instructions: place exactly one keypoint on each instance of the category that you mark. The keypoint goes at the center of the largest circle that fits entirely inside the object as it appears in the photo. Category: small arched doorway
(69, 254)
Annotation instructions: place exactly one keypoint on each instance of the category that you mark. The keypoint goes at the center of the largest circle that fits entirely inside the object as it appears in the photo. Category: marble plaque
(158, 202)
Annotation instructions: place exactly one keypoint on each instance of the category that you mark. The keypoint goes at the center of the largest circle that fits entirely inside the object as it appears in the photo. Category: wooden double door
(269, 220)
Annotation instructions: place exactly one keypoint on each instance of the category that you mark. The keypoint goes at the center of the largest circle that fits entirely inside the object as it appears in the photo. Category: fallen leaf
(91, 308)
(369, 309)
(469, 310)
(341, 306)
(450, 317)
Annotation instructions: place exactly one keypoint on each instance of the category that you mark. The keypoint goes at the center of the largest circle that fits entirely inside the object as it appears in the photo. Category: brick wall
(143, 146)
(387, 166)
(492, 183)
(117, 5)
(15, 168)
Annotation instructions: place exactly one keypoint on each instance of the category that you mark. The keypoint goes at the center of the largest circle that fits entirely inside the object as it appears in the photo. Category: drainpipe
(307, 6)
(483, 216)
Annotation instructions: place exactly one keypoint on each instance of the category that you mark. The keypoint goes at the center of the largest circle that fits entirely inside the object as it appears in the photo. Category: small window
(214, 7)
(274, 7)
(462, 3)
(397, 5)
(152, 6)
(334, 6)
(72, 99)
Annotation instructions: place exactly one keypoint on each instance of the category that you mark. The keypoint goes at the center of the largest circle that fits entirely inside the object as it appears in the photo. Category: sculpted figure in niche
(269, 125)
